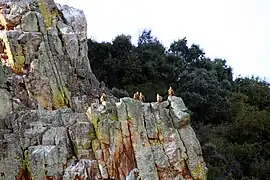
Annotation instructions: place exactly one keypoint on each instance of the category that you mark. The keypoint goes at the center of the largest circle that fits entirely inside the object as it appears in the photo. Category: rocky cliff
(52, 125)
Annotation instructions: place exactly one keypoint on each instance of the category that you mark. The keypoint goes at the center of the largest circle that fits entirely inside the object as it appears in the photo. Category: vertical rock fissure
(49, 58)
(148, 139)
(55, 71)
(160, 141)
(53, 66)
(24, 170)
(130, 133)
(72, 146)
(124, 151)
(99, 142)
(185, 160)
(171, 118)
(60, 36)
(78, 40)
(117, 161)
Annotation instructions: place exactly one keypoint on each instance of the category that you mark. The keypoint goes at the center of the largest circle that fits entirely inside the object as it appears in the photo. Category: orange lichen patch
(77, 177)
(14, 61)
(23, 174)
(49, 178)
(10, 26)
(124, 158)
(17, 72)
(166, 173)
(105, 150)
(52, 178)
(93, 170)
(6, 24)
(2, 27)
(185, 173)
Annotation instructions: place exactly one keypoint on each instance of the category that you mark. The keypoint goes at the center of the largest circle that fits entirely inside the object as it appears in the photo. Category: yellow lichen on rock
(92, 135)
(114, 117)
(183, 163)
(95, 145)
(18, 63)
(155, 142)
(2, 20)
(185, 120)
(61, 98)
(199, 173)
(43, 102)
(96, 137)
(47, 14)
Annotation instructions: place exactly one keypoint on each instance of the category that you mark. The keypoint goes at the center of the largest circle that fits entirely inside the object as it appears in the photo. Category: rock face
(123, 140)
(43, 47)
(51, 123)
(135, 140)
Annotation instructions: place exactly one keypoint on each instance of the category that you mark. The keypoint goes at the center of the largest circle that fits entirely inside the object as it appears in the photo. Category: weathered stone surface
(46, 49)
(5, 101)
(52, 125)
(145, 137)
(124, 140)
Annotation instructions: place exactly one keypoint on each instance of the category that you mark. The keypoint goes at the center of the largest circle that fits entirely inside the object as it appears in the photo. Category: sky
(235, 30)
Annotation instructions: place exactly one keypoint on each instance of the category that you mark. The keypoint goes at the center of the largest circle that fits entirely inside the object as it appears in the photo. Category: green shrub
(119, 93)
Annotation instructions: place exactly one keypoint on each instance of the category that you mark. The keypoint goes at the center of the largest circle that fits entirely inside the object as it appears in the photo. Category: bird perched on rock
(136, 96)
(141, 97)
(159, 98)
(170, 91)
(103, 99)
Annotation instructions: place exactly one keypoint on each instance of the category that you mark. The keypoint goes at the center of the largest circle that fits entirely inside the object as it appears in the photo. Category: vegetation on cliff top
(231, 117)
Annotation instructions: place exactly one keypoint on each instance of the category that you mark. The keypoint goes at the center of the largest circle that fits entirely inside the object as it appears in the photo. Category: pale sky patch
(235, 30)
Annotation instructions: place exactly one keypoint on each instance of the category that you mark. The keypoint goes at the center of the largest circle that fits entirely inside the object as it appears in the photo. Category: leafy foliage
(119, 93)
(231, 117)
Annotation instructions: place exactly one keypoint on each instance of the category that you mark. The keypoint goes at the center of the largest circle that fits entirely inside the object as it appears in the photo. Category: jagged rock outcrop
(43, 47)
(51, 123)
(143, 140)
(123, 140)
